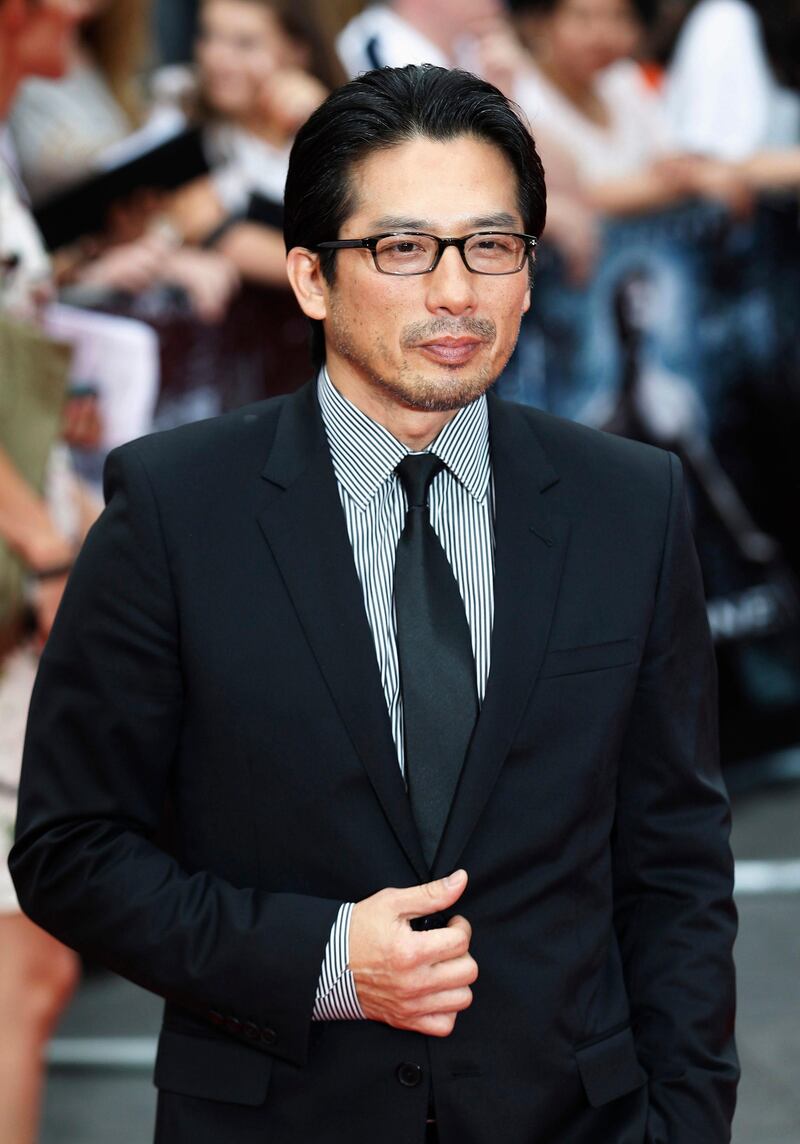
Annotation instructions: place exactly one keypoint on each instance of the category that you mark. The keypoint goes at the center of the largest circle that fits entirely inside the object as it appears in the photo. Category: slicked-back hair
(382, 109)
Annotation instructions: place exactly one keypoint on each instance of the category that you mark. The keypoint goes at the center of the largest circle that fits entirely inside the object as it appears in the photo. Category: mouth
(450, 351)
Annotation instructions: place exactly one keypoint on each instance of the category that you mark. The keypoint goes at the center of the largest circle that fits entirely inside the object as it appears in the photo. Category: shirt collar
(365, 454)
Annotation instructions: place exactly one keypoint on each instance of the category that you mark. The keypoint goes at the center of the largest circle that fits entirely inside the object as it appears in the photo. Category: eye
(401, 246)
(494, 244)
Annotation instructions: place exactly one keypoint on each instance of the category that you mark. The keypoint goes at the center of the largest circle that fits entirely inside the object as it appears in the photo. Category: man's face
(429, 341)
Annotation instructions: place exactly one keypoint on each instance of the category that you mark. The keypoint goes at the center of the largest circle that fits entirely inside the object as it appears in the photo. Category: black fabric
(437, 669)
(211, 680)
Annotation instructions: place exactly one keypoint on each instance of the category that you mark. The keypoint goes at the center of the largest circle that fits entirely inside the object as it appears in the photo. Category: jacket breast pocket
(591, 657)
(211, 1068)
(609, 1068)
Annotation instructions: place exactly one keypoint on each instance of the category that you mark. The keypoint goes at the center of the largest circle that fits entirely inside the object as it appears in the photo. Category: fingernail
(454, 878)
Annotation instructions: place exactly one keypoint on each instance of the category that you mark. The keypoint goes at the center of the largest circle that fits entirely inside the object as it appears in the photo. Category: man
(512, 925)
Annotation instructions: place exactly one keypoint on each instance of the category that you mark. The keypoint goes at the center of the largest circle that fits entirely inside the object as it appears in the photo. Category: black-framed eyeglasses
(414, 252)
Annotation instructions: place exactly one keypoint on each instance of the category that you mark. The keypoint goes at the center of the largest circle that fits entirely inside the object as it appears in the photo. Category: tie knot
(416, 471)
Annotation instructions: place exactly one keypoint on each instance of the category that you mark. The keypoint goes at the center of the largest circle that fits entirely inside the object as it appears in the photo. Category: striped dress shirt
(365, 456)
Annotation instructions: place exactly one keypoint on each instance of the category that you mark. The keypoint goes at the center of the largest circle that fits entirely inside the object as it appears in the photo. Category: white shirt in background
(60, 126)
(637, 132)
(243, 165)
(378, 37)
(721, 95)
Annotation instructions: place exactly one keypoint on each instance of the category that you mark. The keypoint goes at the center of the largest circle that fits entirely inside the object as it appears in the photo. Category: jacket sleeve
(673, 870)
(104, 727)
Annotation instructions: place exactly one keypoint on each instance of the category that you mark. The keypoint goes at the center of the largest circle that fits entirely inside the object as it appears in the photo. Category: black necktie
(437, 668)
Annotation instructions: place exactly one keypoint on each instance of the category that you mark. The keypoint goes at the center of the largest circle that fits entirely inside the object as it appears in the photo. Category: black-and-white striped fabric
(365, 455)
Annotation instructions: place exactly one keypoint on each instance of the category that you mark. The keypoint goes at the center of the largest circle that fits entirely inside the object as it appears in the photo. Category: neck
(414, 428)
(577, 90)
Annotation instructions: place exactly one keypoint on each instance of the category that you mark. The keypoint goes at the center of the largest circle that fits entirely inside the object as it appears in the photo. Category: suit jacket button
(216, 1018)
(251, 1031)
(268, 1036)
(233, 1025)
(409, 1074)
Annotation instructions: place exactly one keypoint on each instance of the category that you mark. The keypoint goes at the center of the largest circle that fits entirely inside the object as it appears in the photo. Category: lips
(451, 351)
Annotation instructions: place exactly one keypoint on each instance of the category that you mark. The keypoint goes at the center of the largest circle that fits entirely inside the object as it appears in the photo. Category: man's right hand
(417, 980)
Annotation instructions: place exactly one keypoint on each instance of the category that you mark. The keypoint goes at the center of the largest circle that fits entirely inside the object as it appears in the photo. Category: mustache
(483, 328)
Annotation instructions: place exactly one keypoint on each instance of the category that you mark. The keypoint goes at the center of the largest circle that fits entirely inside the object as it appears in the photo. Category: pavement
(99, 1081)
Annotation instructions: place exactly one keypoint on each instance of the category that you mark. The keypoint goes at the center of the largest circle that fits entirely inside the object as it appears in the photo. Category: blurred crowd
(143, 151)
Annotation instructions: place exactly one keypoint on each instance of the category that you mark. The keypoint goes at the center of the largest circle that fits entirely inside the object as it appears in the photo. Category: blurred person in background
(732, 80)
(62, 127)
(581, 86)
(415, 31)
(262, 67)
(37, 973)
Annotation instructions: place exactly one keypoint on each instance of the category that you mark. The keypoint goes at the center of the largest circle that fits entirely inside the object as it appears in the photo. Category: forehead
(438, 183)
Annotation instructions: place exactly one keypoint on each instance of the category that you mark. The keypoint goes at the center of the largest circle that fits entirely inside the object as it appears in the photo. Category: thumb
(431, 897)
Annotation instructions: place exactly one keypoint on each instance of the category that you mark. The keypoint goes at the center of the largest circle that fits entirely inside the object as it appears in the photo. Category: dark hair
(646, 10)
(382, 109)
(780, 25)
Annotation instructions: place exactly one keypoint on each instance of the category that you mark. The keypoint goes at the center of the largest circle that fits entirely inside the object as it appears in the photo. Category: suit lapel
(530, 543)
(305, 528)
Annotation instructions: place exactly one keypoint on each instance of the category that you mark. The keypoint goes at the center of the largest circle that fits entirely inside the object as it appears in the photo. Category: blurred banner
(687, 338)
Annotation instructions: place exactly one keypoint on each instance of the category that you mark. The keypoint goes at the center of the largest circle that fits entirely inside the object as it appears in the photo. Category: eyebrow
(480, 222)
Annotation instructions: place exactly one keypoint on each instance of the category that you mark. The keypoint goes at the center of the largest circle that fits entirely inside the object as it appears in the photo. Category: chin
(438, 395)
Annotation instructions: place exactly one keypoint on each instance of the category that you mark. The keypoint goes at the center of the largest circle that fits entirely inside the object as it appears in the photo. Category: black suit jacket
(210, 771)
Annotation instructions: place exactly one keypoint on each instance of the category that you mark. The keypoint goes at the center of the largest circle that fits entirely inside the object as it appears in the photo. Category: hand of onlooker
(707, 178)
(573, 229)
(288, 96)
(409, 979)
(81, 425)
(131, 267)
(500, 55)
(209, 278)
(195, 210)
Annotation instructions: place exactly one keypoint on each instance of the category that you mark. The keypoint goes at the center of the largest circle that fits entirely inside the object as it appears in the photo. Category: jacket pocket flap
(609, 1068)
(593, 657)
(212, 1069)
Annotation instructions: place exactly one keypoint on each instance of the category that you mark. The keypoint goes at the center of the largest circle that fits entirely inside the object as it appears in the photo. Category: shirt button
(409, 1074)
(268, 1036)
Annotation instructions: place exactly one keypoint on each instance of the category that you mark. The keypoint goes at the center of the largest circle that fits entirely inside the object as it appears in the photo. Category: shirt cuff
(336, 998)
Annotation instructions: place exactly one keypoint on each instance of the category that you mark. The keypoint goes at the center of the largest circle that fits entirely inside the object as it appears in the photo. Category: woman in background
(59, 127)
(733, 78)
(262, 67)
(584, 89)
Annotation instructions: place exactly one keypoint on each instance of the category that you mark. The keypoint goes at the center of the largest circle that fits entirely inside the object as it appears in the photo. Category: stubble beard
(452, 388)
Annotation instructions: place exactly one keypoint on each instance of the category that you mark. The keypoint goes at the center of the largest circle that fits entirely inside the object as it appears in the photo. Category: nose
(451, 287)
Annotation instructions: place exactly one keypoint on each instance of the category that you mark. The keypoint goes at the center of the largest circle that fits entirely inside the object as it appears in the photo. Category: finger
(435, 1024)
(461, 923)
(453, 974)
(433, 946)
(431, 897)
(449, 1001)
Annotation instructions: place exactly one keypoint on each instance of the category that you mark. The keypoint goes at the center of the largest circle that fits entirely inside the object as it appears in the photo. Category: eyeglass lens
(416, 253)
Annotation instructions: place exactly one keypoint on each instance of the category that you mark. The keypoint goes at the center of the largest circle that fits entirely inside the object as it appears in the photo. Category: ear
(526, 301)
(307, 281)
